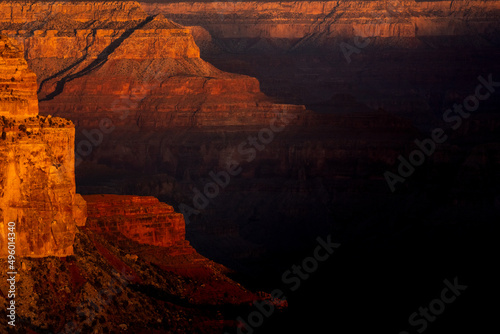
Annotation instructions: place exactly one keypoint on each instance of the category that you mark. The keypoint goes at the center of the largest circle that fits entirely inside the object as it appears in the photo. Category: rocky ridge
(112, 286)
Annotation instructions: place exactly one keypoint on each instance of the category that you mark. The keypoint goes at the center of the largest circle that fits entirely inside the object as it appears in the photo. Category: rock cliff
(37, 182)
(121, 64)
(18, 84)
(295, 25)
(142, 219)
(71, 278)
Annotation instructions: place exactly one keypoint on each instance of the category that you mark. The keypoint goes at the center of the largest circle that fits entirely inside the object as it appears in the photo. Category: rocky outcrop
(112, 287)
(125, 66)
(37, 182)
(142, 219)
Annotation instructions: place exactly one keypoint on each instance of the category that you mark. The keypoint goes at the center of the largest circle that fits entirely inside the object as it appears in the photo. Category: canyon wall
(316, 53)
(122, 65)
(296, 20)
(71, 278)
(159, 122)
(18, 84)
(36, 167)
(38, 183)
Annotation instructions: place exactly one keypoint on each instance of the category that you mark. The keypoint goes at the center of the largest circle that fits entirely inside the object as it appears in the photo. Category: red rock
(140, 218)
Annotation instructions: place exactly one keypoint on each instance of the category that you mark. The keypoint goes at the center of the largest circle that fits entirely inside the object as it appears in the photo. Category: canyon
(370, 51)
(37, 166)
(75, 258)
(314, 102)
(138, 62)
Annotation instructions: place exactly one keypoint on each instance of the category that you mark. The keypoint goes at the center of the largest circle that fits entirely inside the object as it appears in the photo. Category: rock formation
(36, 166)
(302, 25)
(113, 286)
(71, 277)
(168, 113)
(18, 84)
(142, 219)
(165, 122)
(125, 66)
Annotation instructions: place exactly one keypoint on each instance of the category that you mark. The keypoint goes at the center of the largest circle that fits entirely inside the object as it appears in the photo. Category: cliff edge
(119, 63)
(37, 182)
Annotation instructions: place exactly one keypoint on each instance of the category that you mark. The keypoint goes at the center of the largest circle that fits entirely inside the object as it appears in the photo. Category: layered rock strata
(122, 65)
(37, 182)
(299, 21)
(18, 85)
(142, 219)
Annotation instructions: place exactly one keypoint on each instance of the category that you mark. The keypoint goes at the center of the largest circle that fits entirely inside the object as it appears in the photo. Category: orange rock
(37, 181)
(302, 19)
(140, 218)
(18, 85)
(108, 57)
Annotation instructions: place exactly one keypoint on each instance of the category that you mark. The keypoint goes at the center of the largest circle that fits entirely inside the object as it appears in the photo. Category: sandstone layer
(37, 178)
(18, 84)
(133, 254)
(302, 25)
(142, 219)
(120, 64)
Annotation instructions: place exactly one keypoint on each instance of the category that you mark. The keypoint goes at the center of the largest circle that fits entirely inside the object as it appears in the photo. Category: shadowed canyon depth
(249, 166)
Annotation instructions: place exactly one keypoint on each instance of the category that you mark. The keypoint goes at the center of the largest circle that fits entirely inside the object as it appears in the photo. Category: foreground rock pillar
(37, 180)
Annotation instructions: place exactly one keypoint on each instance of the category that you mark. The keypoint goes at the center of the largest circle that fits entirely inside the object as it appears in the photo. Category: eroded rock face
(136, 70)
(302, 24)
(37, 182)
(18, 85)
(142, 219)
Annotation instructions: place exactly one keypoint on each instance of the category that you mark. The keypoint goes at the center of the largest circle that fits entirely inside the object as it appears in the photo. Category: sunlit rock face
(37, 183)
(142, 219)
(119, 63)
(18, 85)
(297, 25)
